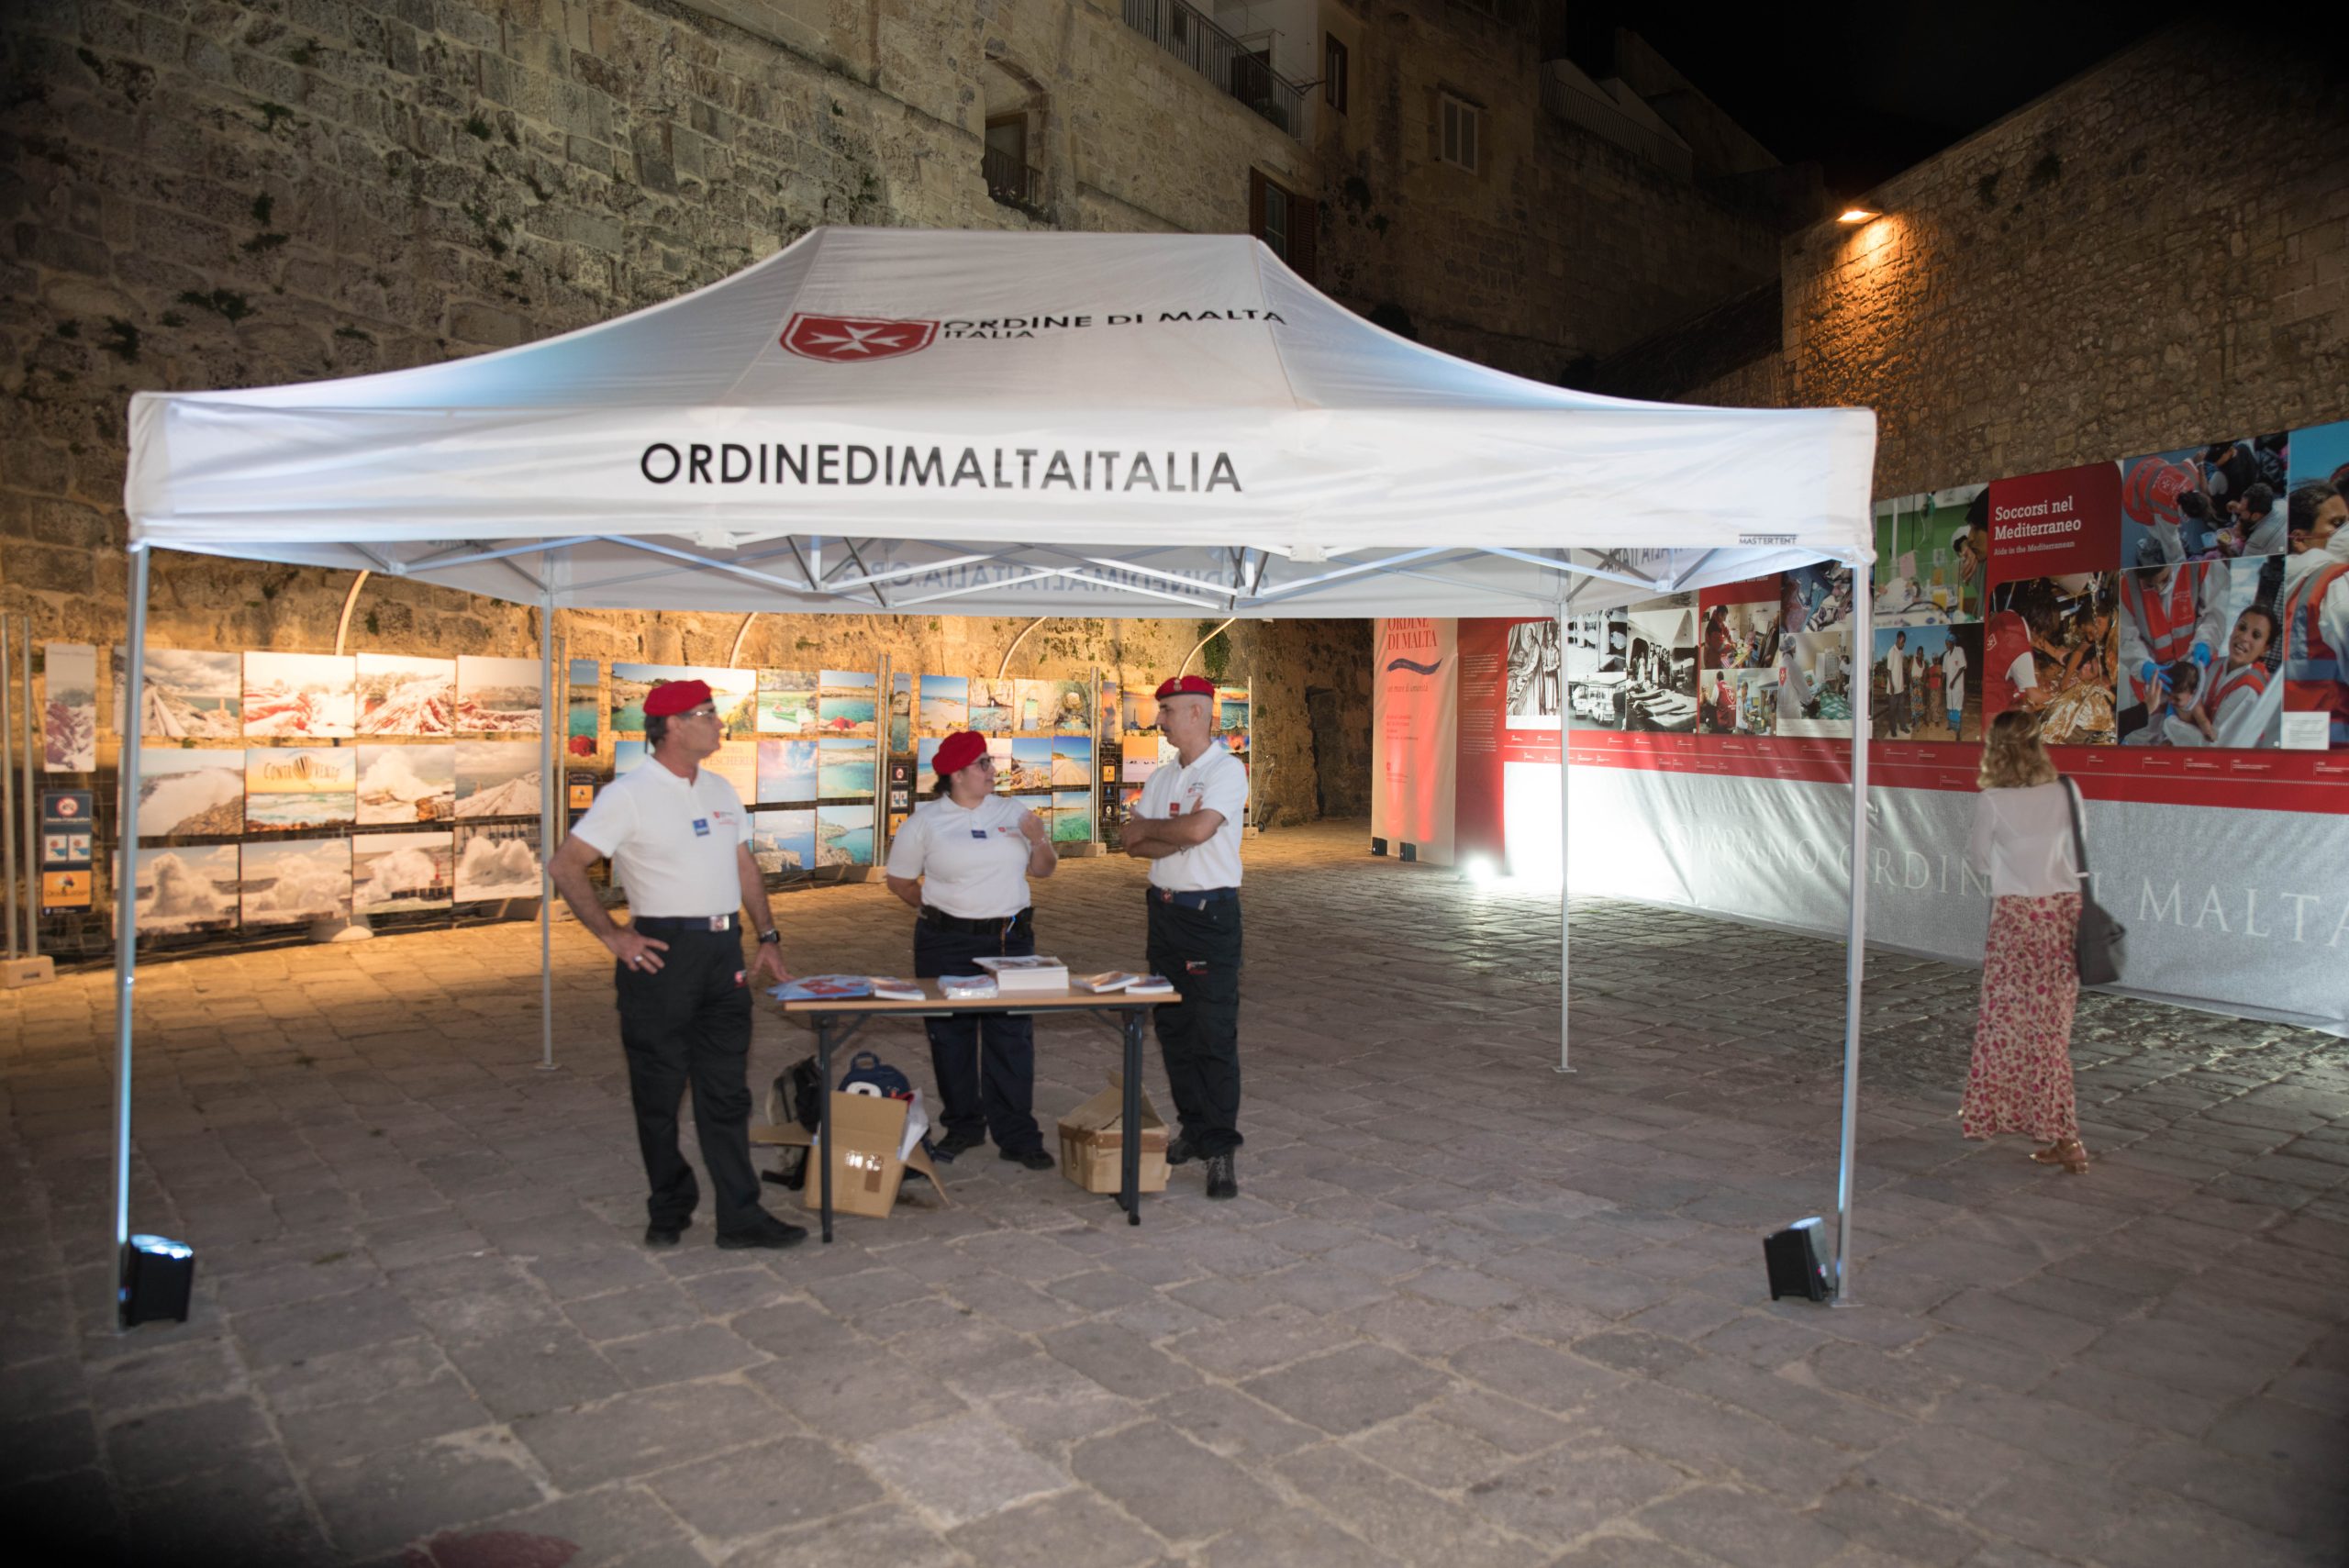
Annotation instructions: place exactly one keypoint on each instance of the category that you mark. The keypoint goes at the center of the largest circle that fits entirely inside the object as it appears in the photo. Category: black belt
(939, 920)
(1204, 899)
(680, 925)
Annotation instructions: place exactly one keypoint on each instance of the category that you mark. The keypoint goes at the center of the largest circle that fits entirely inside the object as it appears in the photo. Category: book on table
(1111, 980)
(896, 988)
(1152, 985)
(1026, 973)
(824, 988)
(967, 987)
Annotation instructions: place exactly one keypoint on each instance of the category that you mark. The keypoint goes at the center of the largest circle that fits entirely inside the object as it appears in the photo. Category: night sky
(1869, 90)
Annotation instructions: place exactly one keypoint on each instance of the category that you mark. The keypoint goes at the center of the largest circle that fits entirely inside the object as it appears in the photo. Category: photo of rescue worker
(2052, 646)
(1931, 553)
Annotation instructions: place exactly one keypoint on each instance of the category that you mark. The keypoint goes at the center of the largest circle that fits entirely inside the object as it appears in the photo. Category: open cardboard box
(866, 1171)
(1093, 1142)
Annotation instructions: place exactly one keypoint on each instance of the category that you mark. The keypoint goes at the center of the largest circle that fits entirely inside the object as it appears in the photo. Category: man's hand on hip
(641, 955)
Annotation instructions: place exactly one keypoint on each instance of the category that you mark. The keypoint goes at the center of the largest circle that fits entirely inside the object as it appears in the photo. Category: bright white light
(1480, 870)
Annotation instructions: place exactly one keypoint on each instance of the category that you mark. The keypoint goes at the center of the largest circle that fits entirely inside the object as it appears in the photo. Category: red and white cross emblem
(846, 339)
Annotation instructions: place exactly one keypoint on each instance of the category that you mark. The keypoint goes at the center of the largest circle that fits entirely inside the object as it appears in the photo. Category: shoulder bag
(2102, 945)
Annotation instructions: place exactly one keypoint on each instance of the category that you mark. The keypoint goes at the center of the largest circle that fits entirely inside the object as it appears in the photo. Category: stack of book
(1025, 975)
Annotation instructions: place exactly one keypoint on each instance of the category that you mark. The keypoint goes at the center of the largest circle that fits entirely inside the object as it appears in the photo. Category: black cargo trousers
(1195, 942)
(689, 1023)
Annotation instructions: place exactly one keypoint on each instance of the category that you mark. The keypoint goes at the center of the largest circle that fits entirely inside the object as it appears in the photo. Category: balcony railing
(1012, 181)
(1187, 34)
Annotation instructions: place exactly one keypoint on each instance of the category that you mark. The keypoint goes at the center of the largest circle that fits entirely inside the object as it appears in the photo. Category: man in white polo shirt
(1187, 827)
(680, 838)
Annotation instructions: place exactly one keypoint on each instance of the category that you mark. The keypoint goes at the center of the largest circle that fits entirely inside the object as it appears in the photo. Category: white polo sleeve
(1227, 793)
(908, 850)
(610, 822)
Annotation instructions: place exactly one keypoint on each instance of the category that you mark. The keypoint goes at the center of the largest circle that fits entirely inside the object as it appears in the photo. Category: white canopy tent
(886, 420)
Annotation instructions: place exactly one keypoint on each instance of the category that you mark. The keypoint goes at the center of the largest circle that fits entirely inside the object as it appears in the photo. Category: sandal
(2064, 1151)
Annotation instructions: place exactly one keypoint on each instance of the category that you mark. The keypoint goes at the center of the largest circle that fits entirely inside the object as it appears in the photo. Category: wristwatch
(771, 935)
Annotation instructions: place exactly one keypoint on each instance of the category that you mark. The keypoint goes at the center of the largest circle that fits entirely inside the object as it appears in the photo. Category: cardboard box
(866, 1171)
(1092, 1143)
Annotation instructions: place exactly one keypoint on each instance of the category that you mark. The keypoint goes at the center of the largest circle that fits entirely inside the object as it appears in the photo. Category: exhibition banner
(2244, 909)
(1414, 724)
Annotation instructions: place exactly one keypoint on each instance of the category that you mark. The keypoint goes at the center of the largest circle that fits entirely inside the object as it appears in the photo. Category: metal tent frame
(1258, 579)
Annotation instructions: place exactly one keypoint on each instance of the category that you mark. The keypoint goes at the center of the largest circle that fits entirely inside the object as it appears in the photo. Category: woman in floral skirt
(2022, 1076)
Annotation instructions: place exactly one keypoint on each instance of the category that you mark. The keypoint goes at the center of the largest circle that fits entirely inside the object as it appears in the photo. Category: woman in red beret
(963, 861)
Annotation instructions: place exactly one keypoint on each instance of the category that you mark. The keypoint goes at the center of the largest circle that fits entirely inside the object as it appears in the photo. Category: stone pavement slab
(1466, 1310)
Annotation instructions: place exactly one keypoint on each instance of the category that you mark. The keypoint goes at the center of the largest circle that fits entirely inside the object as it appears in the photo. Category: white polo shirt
(972, 863)
(672, 841)
(1216, 781)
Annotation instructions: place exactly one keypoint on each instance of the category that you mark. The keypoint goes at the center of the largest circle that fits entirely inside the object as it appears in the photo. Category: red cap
(1185, 687)
(958, 751)
(672, 697)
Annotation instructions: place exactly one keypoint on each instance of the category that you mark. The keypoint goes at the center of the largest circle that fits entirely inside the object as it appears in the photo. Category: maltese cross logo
(846, 339)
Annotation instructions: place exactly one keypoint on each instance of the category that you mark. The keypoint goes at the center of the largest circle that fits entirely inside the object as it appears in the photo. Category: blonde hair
(2014, 757)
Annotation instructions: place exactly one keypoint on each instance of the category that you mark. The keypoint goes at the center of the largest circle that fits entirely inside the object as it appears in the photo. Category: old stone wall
(2154, 255)
(222, 195)
(1560, 246)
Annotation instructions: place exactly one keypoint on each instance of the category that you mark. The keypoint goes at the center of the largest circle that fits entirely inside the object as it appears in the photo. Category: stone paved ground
(1467, 1310)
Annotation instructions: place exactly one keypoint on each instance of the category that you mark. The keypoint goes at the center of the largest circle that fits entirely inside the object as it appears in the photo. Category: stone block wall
(218, 195)
(2155, 254)
(1561, 246)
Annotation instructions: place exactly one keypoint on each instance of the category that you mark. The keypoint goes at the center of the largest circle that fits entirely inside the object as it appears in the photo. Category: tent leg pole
(125, 938)
(547, 713)
(1856, 942)
(1565, 860)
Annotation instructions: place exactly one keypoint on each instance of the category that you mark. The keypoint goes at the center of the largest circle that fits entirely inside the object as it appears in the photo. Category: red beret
(672, 697)
(958, 751)
(1185, 687)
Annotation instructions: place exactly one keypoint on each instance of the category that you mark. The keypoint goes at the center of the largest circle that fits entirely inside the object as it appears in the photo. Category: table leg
(824, 1120)
(1129, 1176)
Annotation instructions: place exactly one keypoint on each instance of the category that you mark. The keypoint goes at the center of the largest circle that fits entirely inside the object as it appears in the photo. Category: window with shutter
(1333, 72)
(1459, 127)
(1284, 220)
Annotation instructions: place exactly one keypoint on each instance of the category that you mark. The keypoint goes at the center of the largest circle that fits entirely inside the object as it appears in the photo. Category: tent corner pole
(1565, 860)
(125, 936)
(546, 714)
(1861, 666)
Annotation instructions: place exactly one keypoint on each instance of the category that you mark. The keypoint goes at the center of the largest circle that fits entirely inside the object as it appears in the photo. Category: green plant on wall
(1215, 656)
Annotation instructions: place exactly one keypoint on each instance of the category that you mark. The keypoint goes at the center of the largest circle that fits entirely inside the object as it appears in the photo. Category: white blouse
(2022, 842)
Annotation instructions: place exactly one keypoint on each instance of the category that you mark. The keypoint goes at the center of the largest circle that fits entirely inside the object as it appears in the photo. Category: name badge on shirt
(1174, 808)
(701, 827)
(980, 834)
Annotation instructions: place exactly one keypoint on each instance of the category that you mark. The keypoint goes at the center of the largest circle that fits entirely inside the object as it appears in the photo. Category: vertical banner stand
(884, 708)
(33, 741)
(8, 788)
(1856, 941)
(546, 711)
(126, 927)
(1565, 857)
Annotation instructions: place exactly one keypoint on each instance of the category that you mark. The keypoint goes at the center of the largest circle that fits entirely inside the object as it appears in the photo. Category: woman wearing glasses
(962, 862)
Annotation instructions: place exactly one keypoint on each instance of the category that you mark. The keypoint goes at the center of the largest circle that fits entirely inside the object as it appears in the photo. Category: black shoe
(1033, 1158)
(772, 1233)
(1222, 1183)
(952, 1144)
(662, 1234)
(1179, 1150)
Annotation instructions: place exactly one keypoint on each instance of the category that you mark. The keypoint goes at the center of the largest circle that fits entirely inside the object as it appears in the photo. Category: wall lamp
(1857, 215)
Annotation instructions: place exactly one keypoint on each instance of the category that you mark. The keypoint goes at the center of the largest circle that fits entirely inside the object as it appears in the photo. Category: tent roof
(999, 423)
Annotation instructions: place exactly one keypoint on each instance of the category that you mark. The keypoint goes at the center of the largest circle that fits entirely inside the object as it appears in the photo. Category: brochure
(967, 987)
(823, 988)
(894, 988)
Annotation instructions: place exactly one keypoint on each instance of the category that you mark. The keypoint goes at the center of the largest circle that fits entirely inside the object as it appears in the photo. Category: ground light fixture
(158, 1276)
